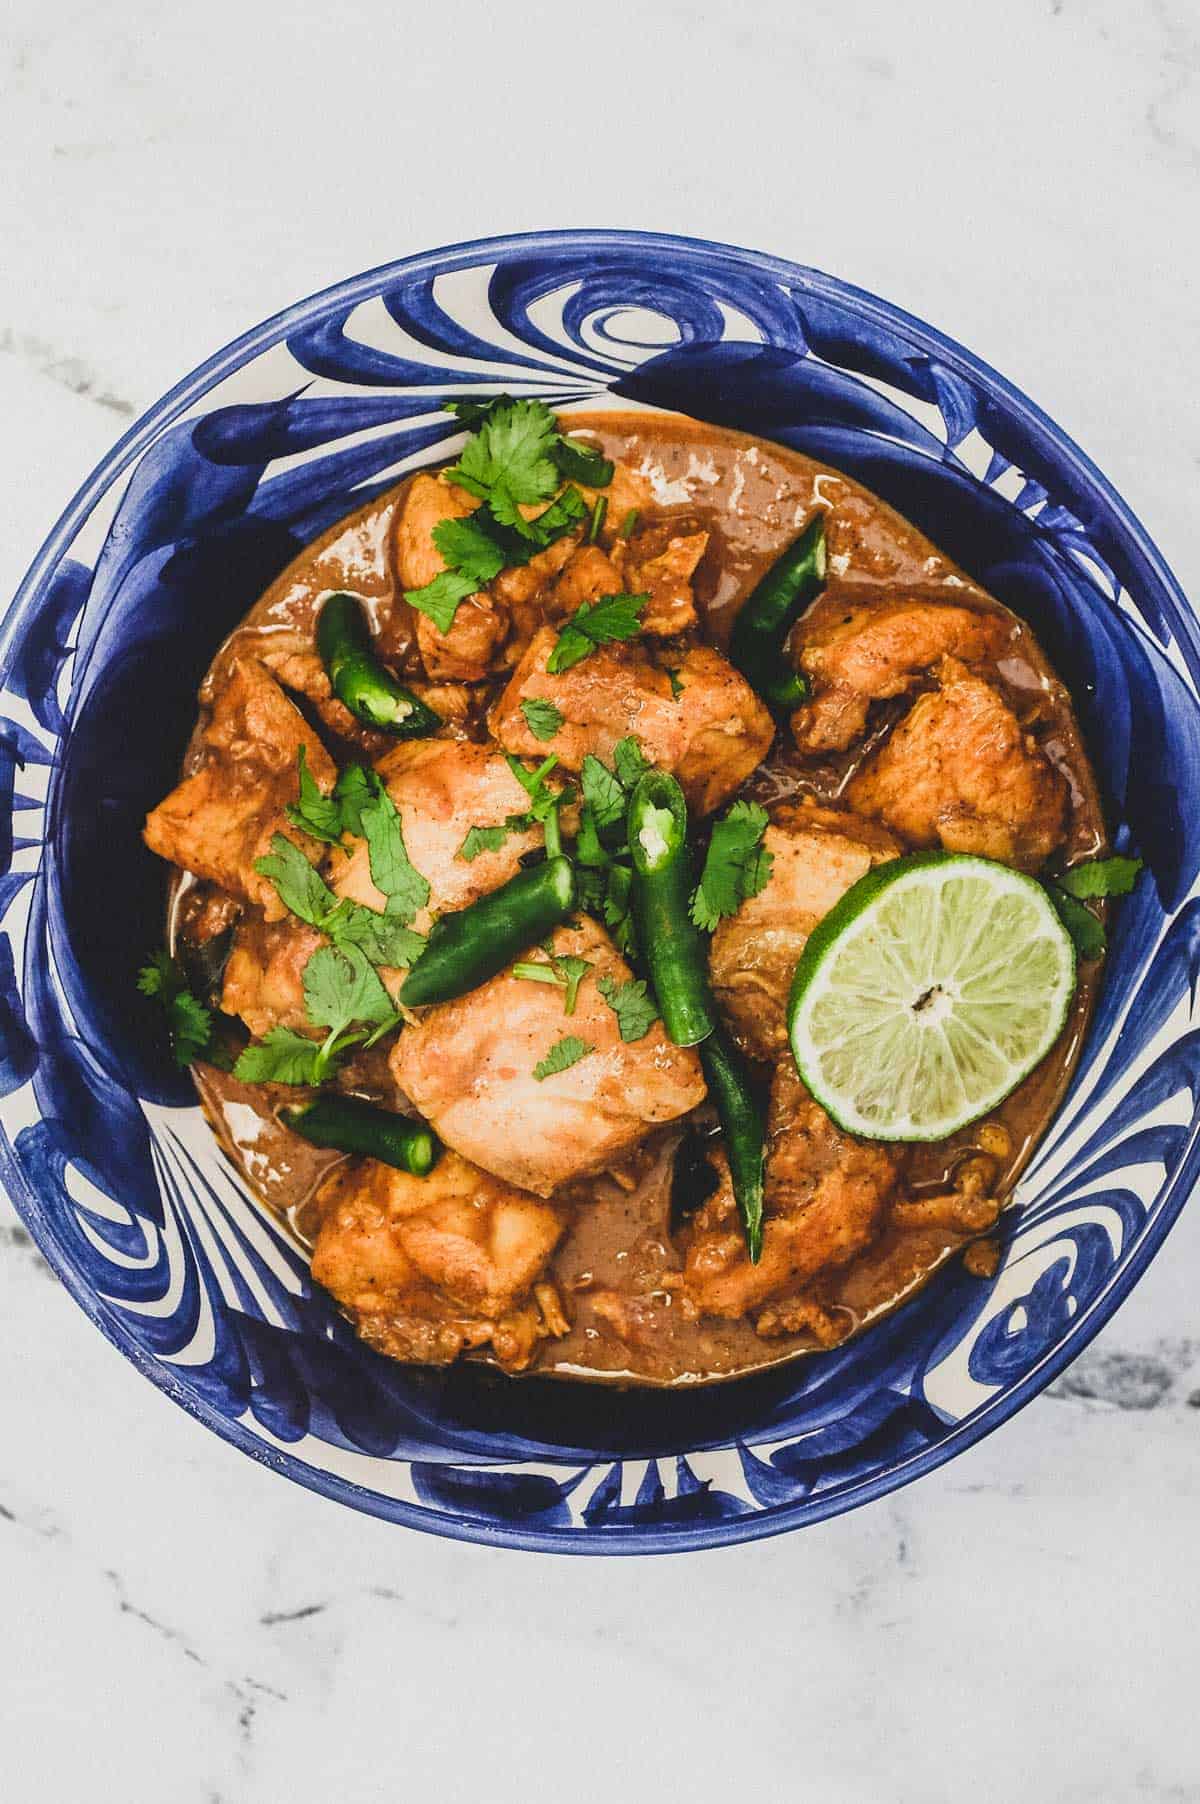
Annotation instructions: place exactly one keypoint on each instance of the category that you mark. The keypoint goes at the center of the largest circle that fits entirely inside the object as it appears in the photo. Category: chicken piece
(221, 818)
(658, 565)
(711, 735)
(468, 1067)
(427, 1267)
(264, 975)
(661, 564)
(521, 586)
(472, 648)
(805, 1315)
(428, 501)
(817, 853)
(959, 771)
(442, 788)
(825, 1197)
(857, 652)
(588, 574)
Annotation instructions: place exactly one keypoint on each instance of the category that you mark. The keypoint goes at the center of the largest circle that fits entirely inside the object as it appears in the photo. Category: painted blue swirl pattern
(209, 497)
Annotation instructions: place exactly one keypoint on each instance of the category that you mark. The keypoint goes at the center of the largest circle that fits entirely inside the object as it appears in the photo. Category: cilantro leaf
(616, 894)
(575, 459)
(580, 462)
(468, 547)
(283, 1057)
(440, 598)
(676, 685)
(635, 1012)
(589, 848)
(596, 623)
(541, 717)
(191, 1028)
(318, 815)
(1114, 876)
(562, 1055)
(299, 887)
(481, 839)
(736, 866)
(629, 761)
(473, 413)
(161, 977)
(354, 787)
(508, 462)
(341, 987)
(563, 513)
(603, 792)
(392, 871)
(1087, 933)
(383, 939)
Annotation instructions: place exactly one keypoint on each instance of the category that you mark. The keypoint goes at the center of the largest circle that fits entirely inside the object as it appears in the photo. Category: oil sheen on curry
(496, 852)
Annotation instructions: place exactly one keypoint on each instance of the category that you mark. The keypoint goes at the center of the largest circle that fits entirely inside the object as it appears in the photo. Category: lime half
(936, 984)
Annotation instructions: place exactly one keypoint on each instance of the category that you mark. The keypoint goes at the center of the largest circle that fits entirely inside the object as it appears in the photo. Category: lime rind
(932, 989)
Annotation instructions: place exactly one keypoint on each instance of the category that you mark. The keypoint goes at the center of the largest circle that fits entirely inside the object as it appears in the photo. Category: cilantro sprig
(516, 458)
(575, 460)
(343, 991)
(595, 623)
(544, 804)
(564, 970)
(601, 851)
(1092, 881)
(736, 866)
(189, 1023)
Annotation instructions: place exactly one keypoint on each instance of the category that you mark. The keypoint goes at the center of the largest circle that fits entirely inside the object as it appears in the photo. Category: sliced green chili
(769, 614)
(597, 520)
(358, 1127)
(663, 881)
(360, 681)
(741, 1119)
(471, 944)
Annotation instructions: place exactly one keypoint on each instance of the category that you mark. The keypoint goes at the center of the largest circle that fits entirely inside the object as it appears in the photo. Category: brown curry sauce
(752, 497)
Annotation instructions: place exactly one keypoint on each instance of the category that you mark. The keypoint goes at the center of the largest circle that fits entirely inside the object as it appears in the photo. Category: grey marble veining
(184, 1625)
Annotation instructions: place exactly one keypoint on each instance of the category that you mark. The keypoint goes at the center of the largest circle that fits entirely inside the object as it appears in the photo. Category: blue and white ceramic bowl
(103, 1148)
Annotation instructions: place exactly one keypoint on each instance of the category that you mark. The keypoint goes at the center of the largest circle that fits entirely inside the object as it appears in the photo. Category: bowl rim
(773, 1520)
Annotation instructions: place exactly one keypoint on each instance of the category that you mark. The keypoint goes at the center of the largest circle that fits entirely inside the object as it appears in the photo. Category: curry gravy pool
(615, 1270)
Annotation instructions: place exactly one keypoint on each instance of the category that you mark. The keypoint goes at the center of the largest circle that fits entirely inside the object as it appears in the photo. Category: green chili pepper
(471, 944)
(769, 613)
(357, 1127)
(360, 681)
(672, 946)
(742, 1124)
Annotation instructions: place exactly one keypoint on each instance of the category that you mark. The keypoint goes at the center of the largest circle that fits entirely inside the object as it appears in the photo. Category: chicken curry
(512, 808)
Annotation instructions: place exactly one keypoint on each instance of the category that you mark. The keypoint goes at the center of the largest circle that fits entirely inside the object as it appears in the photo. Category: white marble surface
(181, 1625)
